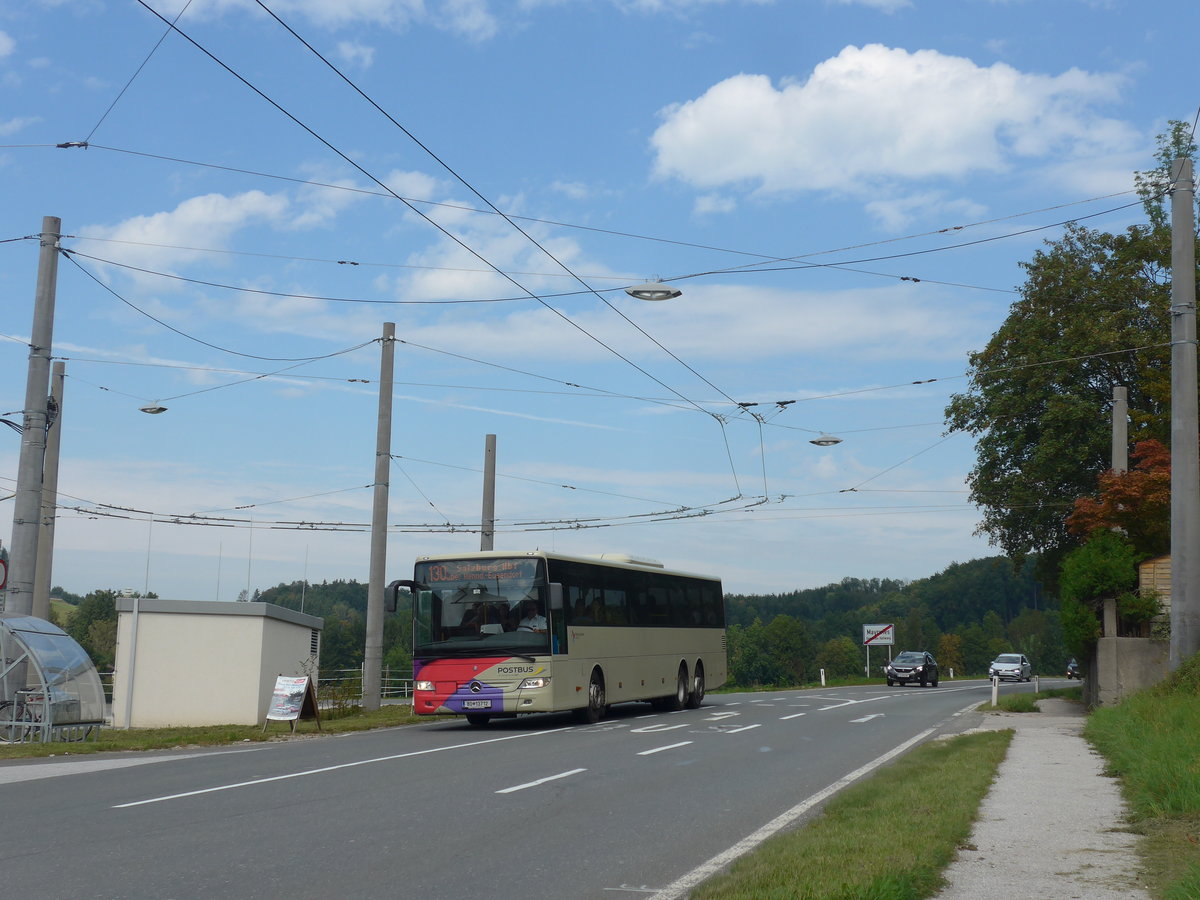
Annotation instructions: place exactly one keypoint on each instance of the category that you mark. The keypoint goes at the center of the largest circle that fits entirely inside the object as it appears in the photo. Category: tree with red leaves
(1137, 503)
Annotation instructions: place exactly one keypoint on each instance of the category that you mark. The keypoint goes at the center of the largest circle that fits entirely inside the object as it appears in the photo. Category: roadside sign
(879, 634)
(293, 698)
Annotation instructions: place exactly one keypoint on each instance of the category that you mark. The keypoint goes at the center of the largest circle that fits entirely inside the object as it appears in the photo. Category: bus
(501, 634)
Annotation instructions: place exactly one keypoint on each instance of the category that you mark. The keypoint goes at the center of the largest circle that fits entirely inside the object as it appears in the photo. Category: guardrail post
(995, 690)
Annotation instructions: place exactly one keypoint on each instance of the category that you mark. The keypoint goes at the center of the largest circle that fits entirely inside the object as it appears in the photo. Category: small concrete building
(201, 662)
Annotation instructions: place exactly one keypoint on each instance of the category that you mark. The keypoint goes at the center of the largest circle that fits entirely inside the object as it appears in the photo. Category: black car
(912, 665)
(1073, 670)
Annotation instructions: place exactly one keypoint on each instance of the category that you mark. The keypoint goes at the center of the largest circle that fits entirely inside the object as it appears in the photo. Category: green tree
(1093, 313)
(950, 655)
(790, 649)
(1105, 567)
(750, 662)
(93, 625)
(840, 657)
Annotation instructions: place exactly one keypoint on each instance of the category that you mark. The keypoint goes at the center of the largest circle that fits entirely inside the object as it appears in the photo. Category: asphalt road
(533, 808)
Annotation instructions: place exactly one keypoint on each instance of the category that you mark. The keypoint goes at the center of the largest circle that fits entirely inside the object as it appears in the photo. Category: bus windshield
(481, 607)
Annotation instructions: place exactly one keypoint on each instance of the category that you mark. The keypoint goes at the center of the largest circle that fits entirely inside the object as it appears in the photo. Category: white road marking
(529, 784)
(743, 728)
(349, 765)
(663, 727)
(853, 702)
(867, 718)
(792, 716)
(716, 717)
(661, 749)
(83, 766)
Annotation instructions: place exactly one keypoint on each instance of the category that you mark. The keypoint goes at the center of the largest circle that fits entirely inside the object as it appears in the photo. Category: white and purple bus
(503, 634)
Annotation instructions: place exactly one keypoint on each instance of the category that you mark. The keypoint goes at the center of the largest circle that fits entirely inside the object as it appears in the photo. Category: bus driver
(532, 618)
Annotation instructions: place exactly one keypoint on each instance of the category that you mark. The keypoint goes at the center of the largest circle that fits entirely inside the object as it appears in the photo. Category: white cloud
(208, 222)
(707, 204)
(898, 213)
(356, 54)
(574, 189)
(12, 126)
(887, 6)
(896, 322)
(875, 113)
(469, 18)
(7, 44)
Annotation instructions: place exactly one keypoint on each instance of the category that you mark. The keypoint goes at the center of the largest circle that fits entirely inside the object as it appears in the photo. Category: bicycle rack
(49, 687)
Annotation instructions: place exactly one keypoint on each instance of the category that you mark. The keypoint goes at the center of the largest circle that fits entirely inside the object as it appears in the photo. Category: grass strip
(1149, 741)
(120, 739)
(886, 838)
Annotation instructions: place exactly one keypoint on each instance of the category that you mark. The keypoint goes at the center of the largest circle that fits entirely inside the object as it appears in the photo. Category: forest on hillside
(964, 615)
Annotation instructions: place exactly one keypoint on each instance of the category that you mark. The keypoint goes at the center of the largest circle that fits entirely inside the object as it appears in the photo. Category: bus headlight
(534, 683)
(423, 685)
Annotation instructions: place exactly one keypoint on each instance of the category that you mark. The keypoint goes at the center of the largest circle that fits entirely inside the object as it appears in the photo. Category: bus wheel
(696, 697)
(679, 701)
(594, 711)
(478, 720)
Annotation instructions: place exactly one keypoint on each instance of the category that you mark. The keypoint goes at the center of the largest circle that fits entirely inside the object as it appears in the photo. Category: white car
(1011, 667)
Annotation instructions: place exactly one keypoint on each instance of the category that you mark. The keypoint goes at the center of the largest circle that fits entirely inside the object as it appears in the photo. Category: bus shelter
(49, 687)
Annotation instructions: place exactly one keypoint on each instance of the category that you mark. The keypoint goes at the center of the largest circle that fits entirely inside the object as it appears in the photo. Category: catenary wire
(350, 161)
(136, 73)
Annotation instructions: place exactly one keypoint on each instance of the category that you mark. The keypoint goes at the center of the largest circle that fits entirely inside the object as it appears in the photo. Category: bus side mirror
(556, 596)
(391, 594)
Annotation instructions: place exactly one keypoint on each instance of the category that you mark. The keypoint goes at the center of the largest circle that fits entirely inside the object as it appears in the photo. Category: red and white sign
(879, 634)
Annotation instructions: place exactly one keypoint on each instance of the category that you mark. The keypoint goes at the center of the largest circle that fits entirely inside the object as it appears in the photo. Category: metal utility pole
(45, 548)
(373, 652)
(27, 506)
(1185, 431)
(487, 532)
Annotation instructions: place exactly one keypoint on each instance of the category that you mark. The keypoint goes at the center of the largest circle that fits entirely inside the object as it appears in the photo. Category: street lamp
(153, 409)
(826, 440)
(653, 290)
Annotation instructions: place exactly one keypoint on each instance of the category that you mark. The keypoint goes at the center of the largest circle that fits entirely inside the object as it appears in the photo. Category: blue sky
(842, 190)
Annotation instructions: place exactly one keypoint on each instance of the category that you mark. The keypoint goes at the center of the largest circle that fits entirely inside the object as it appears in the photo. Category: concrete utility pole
(27, 505)
(373, 652)
(1120, 430)
(487, 533)
(1185, 428)
(45, 549)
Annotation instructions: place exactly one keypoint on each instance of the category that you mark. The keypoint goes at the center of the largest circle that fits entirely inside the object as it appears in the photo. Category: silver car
(1011, 667)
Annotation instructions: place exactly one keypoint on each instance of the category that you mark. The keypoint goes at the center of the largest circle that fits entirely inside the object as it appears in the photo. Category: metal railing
(393, 686)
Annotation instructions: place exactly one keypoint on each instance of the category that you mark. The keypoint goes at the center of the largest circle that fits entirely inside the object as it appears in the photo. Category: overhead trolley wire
(350, 161)
(136, 73)
(71, 257)
(765, 258)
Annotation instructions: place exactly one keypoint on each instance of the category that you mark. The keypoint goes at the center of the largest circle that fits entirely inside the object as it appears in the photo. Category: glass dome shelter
(49, 687)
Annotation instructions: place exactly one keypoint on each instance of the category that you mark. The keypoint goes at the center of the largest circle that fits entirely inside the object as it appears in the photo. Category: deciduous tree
(1093, 313)
(1137, 502)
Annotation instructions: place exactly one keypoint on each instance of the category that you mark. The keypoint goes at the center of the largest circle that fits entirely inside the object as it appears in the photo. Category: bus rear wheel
(594, 711)
(680, 699)
(696, 697)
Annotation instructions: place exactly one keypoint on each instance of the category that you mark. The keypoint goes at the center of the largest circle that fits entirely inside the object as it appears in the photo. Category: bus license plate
(477, 704)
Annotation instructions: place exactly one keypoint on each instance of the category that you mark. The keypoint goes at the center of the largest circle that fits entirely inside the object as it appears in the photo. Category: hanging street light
(653, 290)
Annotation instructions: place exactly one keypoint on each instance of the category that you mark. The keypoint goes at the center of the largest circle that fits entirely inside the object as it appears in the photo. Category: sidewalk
(1050, 827)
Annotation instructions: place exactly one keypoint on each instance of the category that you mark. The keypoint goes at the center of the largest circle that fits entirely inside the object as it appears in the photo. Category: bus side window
(614, 606)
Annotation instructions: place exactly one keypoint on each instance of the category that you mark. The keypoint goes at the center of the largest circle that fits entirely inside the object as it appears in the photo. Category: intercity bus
(504, 634)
